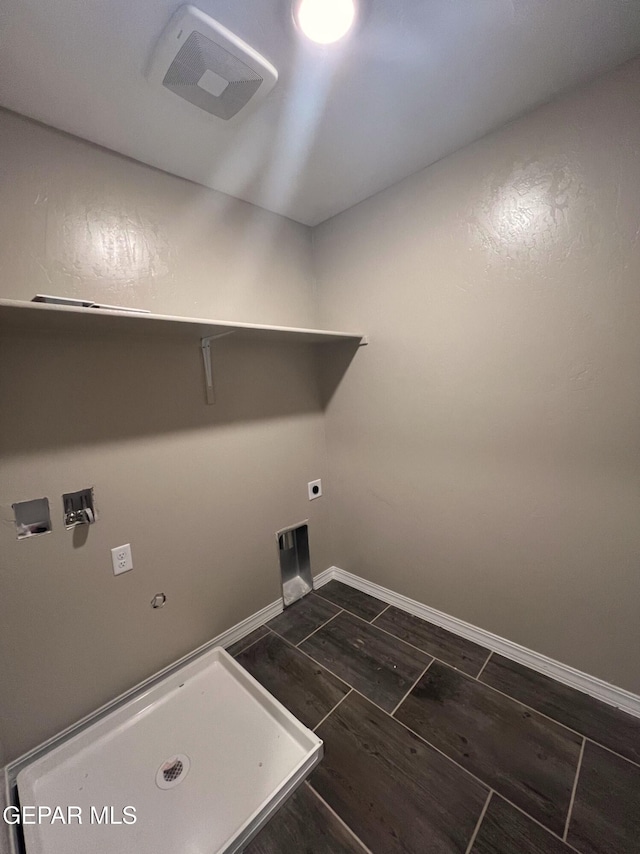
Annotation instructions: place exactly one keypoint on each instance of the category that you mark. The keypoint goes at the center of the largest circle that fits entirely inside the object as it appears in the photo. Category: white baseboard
(245, 627)
(329, 575)
(598, 688)
(225, 639)
(601, 690)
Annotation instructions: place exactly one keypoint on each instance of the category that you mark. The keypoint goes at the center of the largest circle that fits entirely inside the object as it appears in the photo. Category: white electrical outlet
(121, 559)
(315, 489)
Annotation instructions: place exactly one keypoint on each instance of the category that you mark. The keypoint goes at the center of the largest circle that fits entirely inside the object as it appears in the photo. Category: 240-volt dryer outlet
(315, 489)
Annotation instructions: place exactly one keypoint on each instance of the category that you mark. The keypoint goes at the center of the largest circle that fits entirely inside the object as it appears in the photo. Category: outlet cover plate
(121, 559)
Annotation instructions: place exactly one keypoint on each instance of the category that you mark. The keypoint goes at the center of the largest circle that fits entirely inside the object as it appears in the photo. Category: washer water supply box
(201, 760)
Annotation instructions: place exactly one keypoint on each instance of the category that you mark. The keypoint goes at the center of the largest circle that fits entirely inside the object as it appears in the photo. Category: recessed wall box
(79, 508)
(295, 564)
(32, 517)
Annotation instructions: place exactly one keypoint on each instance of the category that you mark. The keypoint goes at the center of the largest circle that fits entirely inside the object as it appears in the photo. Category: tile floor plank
(452, 649)
(359, 603)
(606, 811)
(392, 789)
(304, 825)
(381, 667)
(505, 830)
(303, 617)
(397, 792)
(598, 721)
(530, 760)
(237, 647)
(304, 687)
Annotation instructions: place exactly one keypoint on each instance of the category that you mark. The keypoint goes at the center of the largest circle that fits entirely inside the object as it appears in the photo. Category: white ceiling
(417, 80)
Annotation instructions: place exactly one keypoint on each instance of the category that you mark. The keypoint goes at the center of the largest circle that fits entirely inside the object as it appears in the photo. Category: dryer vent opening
(295, 563)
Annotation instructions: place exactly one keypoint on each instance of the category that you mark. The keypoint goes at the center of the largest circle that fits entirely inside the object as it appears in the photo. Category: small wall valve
(79, 508)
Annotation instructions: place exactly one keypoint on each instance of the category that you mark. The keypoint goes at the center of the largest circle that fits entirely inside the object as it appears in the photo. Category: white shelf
(47, 318)
(44, 317)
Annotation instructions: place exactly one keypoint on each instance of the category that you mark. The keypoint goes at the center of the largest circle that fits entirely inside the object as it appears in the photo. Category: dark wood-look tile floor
(302, 685)
(302, 618)
(524, 756)
(447, 770)
(247, 640)
(606, 812)
(304, 825)
(359, 603)
(444, 645)
(598, 721)
(505, 830)
(381, 667)
(395, 791)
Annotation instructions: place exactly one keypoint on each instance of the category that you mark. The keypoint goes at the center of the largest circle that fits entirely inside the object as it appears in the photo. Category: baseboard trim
(225, 639)
(598, 688)
(245, 627)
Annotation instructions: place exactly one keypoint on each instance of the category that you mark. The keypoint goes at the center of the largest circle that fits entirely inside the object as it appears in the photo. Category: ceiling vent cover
(206, 64)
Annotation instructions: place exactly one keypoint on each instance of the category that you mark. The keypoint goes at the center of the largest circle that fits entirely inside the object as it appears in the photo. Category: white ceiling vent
(206, 64)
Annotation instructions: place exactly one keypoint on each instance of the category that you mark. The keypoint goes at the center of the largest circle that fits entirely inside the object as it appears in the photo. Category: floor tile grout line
(278, 635)
(344, 608)
(324, 666)
(331, 711)
(249, 645)
(521, 703)
(482, 782)
(355, 689)
(539, 823)
(442, 753)
(373, 625)
(352, 689)
(340, 819)
(574, 790)
(549, 718)
(478, 823)
(332, 617)
(426, 651)
(477, 677)
(610, 750)
(392, 714)
(432, 746)
(340, 679)
(491, 652)
(402, 640)
(413, 685)
(440, 661)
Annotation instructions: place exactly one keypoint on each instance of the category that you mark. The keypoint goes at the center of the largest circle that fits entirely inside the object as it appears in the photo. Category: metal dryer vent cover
(206, 64)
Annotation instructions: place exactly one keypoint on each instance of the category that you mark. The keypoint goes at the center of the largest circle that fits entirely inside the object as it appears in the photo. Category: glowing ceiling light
(325, 21)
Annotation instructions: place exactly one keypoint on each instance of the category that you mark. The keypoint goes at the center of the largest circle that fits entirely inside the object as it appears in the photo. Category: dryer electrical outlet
(315, 489)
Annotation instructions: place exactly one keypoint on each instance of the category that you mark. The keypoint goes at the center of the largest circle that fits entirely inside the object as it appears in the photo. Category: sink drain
(173, 771)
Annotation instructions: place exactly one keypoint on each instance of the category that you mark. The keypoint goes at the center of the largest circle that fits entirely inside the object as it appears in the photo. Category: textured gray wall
(485, 449)
(197, 490)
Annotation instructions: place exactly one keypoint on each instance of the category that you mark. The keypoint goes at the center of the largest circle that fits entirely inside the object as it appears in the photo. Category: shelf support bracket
(205, 345)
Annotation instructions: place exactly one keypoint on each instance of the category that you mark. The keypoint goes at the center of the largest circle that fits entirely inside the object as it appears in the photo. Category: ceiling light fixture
(325, 21)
